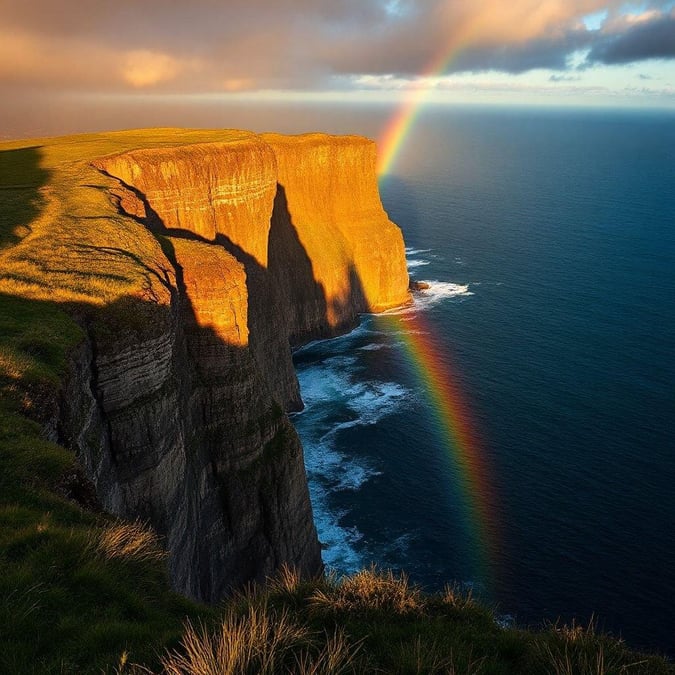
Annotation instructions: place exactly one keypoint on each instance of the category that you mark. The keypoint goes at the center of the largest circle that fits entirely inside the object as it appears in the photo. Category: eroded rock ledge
(264, 243)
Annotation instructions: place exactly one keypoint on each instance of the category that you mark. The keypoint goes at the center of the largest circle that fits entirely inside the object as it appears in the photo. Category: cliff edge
(192, 262)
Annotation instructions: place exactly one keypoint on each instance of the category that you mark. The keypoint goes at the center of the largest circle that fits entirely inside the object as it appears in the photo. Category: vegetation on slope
(375, 622)
(81, 592)
(73, 597)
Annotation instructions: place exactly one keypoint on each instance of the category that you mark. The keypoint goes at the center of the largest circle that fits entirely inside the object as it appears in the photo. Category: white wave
(334, 470)
(338, 542)
(373, 347)
(417, 262)
(326, 381)
(330, 471)
(409, 250)
(375, 400)
(437, 292)
(335, 402)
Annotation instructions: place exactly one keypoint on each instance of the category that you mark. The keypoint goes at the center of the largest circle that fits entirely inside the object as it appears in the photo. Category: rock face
(262, 243)
(349, 257)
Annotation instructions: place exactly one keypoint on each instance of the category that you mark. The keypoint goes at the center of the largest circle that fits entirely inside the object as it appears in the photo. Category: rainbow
(400, 124)
(432, 364)
(458, 433)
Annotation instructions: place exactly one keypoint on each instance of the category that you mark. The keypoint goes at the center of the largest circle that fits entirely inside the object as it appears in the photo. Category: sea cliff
(192, 269)
(152, 283)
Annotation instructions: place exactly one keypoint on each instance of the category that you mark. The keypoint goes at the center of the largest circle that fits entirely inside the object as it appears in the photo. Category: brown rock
(268, 241)
(328, 201)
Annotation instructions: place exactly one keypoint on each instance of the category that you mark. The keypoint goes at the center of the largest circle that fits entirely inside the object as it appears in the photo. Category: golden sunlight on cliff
(333, 203)
(312, 200)
(215, 286)
(208, 189)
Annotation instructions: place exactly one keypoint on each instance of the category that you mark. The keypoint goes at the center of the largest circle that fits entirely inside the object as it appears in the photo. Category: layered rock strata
(178, 416)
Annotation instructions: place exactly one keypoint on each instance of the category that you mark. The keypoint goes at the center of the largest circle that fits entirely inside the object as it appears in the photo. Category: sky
(558, 52)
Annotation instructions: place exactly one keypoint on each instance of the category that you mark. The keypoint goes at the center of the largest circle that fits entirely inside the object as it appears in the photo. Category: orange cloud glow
(144, 68)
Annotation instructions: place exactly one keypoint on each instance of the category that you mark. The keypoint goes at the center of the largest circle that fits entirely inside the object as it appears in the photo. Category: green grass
(377, 622)
(82, 593)
(66, 603)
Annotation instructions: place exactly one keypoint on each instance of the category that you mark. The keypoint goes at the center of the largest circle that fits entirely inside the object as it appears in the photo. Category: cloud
(564, 78)
(143, 68)
(647, 36)
(216, 46)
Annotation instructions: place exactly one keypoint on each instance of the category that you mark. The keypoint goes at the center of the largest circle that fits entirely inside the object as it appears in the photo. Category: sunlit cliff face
(256, 194)
(190, 266)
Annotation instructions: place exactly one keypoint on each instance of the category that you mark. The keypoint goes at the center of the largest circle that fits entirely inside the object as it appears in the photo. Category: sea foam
(337, 400)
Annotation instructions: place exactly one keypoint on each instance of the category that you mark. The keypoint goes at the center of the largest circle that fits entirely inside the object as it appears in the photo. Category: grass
(260, 641)
(81, 592)
(129, 541)
(377, 622)
(69, 601)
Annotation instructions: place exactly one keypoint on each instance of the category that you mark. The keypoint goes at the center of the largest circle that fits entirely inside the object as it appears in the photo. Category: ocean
(513, 431)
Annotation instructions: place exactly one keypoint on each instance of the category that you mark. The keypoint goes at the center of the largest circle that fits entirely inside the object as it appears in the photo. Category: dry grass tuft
(576, 650)
(337, 656)
(262, 641)
(258, 642)
(286, 581)
(458, 597)
(130, 540)
(370, 590)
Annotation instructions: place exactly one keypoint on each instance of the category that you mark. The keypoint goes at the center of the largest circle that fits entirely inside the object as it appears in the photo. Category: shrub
(369, 590)
(130, 540)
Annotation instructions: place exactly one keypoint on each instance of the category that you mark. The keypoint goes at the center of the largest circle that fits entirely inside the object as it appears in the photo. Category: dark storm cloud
(544, 53)
(651, 39)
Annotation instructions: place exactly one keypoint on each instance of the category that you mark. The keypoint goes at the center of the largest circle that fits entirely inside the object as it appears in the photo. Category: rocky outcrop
(175, 403)
(328, 207)
(176, 427)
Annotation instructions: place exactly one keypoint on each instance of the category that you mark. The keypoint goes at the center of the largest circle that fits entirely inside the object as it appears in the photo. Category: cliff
(302, 213)
(132, 336)
(191, 268)
(328, 222)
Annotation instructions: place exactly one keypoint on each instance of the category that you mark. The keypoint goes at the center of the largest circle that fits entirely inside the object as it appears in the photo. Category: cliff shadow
(311, 313)
(288, 283)
(21, 177)
(288, 306)
(134, 389)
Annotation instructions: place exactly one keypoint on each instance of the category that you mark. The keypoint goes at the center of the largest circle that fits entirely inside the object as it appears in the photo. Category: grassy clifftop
(82, 592)
(67, 604)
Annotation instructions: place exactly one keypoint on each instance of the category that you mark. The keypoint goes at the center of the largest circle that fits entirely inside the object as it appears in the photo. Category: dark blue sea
(548, 241)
